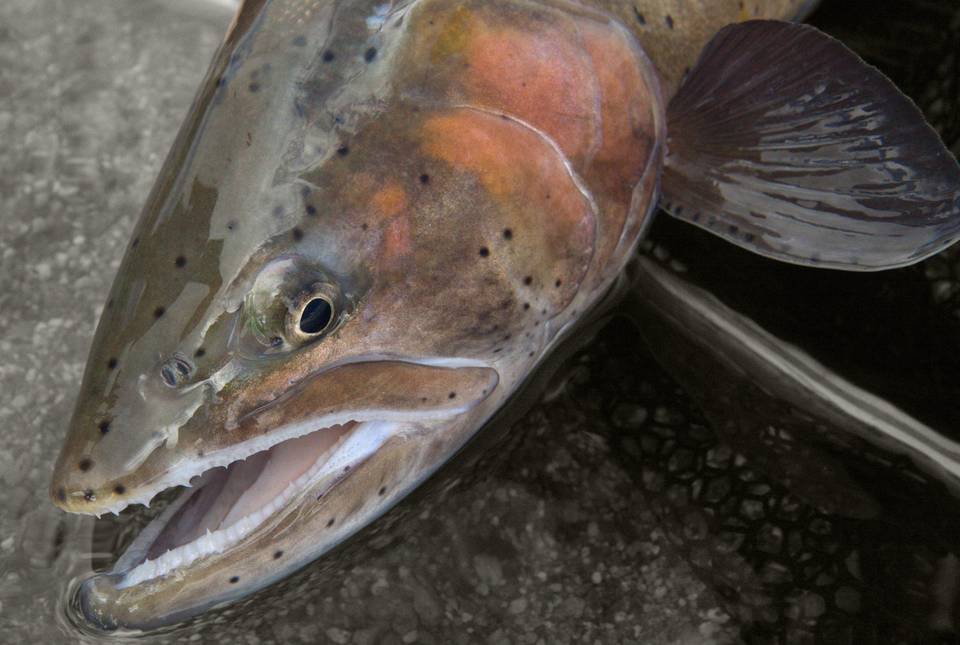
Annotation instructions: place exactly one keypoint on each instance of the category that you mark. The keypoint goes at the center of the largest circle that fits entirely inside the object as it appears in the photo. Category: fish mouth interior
(224, 505)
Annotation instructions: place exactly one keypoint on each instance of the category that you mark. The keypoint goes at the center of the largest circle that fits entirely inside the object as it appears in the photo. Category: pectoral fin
(785, 142)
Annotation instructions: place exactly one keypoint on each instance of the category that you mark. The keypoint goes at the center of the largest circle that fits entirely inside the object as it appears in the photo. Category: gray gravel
(549, 543)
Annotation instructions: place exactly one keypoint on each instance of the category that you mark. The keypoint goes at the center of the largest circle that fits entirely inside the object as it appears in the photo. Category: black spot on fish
(507, 234)
(484, 251)
(640, 18)
(696, 217)
(365, 226)
(277, 555)
(424, 178)
(231, 225)
(669, 21)
(383, 489)
(452, 395)
(678, 211)
(733, 229)
(85, 464)
(297, 234)
(119, 489)
(158, 312)
(104, 426)
(300, 41)
(234, 579)
(528, 280)
(311, 210)
(199, 353)
(331, 521)
(370, 54)
(254, 87)
(62, 494)
(111, 364)
(328, 56)
(558, 283)
(180, 262)
(748, 237)
(89, 495)
(110, 303)
(135, 243)
(343, 151)
(530, 354)
(526, 306)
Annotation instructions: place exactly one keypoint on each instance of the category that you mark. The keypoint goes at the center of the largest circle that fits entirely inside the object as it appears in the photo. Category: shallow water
(548, 541)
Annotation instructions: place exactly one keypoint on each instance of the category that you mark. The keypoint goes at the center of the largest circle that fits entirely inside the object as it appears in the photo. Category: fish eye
(290, 305)
(312, 314)
(316, 316)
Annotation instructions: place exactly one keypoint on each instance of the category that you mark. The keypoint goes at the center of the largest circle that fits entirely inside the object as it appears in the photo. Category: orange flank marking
(389, 200)
(514, 164)
(625, 104)
(539, 76)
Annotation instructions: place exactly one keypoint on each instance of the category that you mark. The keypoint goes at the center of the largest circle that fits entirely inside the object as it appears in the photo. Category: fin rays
(783, 141)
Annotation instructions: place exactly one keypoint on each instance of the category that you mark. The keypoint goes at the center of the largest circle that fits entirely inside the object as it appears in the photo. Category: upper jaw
(372, 389)
(421, 394)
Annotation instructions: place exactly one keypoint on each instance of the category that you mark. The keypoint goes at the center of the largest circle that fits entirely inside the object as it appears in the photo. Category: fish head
(344, 270)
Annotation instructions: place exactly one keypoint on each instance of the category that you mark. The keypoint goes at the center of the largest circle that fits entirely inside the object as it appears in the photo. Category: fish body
(375, 223)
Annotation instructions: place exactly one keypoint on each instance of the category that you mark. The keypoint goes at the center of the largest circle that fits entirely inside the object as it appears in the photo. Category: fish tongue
(286, 462)
(209, 504)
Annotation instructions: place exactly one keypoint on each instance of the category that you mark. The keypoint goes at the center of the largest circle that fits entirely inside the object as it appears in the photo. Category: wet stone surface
(551, 543)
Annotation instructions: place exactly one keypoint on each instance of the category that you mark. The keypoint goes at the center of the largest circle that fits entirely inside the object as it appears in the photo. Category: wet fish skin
(309, 169)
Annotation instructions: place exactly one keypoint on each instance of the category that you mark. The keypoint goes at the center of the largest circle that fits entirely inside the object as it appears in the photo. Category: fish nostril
(176, 371)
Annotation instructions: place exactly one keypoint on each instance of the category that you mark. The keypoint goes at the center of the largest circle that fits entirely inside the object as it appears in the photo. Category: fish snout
(77, 487)
(93, 596)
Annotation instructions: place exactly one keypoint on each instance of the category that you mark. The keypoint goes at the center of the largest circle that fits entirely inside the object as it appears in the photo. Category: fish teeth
(348, 451)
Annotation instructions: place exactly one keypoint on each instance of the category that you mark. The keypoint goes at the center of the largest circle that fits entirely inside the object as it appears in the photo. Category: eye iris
(316, 316)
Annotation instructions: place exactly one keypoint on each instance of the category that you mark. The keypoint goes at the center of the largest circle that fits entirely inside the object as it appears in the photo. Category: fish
(379, 220)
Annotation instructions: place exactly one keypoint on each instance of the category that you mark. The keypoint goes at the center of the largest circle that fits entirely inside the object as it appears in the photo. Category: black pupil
(316, 316)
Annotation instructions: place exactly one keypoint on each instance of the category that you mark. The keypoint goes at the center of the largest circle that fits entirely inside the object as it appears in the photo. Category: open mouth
(226, 504)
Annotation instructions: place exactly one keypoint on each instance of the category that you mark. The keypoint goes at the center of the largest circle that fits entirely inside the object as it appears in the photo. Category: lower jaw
(219, 511)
